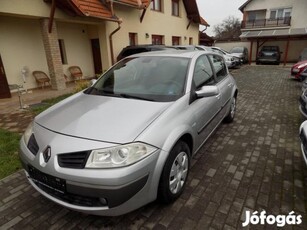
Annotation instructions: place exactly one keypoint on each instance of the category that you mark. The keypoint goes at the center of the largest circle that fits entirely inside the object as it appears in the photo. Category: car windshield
(236, 50)
(269, 48)
(145, 78)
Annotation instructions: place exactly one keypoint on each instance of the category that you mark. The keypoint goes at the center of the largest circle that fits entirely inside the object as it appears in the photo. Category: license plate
(46, 180)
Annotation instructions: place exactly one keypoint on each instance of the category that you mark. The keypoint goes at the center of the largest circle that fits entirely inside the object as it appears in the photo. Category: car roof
(172, 53)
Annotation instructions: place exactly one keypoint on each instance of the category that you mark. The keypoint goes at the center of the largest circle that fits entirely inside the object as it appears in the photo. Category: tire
(232, 112)
(176, 167)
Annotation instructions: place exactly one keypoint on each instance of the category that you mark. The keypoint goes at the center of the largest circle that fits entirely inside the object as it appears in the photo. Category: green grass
(9, 141)
(9, 146)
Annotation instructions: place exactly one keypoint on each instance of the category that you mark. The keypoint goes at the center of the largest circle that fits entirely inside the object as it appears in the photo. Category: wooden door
(96, 56)
(4, 87)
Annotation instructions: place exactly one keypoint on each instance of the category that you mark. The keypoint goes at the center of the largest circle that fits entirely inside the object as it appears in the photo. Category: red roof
(193, 13)
(94, 8)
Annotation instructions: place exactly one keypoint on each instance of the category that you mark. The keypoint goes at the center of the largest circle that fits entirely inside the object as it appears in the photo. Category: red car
(299, 70)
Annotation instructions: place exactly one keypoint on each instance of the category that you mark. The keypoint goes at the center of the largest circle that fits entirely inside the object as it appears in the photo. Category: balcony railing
(263, 23)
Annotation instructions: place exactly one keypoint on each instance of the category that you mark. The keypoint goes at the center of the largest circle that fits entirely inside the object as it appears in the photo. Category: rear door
(224, 83)
(4, 87)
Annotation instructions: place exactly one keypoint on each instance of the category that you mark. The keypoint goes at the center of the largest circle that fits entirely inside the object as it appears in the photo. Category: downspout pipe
(111, 42)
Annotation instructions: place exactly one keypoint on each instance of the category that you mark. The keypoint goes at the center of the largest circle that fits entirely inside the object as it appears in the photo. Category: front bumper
(106, 192)
(231, 64)
(299, 73)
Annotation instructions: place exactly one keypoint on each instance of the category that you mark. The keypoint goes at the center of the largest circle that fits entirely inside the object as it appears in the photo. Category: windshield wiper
(124, 95)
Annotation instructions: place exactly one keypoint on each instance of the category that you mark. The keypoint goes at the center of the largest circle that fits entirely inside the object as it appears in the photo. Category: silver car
(129, 138)
(303, 104)
(231, 60)
(303, 137)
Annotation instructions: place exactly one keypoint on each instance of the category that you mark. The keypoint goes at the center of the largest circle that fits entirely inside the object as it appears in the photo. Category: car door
(206, 109)
(224, 83)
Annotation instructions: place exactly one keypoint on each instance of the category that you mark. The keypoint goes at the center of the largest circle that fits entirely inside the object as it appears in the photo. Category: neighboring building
(51, 35)
(205, 39)
(275, 22)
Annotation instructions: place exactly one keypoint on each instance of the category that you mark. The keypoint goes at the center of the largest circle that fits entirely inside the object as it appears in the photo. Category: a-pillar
(53, 55)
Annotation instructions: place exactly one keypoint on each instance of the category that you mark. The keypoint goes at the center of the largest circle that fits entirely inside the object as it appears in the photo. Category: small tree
(230, 28)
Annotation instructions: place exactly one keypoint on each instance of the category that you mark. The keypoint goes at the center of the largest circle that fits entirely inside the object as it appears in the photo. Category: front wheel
(231, 114)
(175, 173)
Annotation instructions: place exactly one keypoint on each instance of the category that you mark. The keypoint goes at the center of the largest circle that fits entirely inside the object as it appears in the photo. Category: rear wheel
(231, 115)
(175, 173)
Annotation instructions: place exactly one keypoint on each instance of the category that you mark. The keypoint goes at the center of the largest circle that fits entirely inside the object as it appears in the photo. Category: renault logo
(47, 154)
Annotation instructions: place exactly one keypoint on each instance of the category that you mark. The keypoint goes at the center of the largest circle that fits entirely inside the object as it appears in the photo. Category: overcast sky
(215, 11)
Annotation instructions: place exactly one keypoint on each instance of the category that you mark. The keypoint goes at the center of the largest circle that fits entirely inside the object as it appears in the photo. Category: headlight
(302, 65)
(27, 134)
(119, 156)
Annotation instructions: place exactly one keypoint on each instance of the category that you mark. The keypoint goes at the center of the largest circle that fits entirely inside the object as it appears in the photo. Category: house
(275, 22)
(52, 35)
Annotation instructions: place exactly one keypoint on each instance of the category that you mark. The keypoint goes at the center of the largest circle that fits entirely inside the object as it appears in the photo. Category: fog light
(103, 201)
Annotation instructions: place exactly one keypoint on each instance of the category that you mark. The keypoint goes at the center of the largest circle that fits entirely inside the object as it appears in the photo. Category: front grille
(73, 160)
(56, 187)
(32, 145)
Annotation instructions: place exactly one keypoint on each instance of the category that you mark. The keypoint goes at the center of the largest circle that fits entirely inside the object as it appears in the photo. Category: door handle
(218, 96)
(230, 85)
(2, 70)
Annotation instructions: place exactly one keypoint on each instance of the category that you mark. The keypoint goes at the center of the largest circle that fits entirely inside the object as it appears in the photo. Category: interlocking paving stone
(253, 164)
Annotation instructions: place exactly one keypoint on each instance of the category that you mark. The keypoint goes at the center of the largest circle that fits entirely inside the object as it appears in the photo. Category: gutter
(111, 42)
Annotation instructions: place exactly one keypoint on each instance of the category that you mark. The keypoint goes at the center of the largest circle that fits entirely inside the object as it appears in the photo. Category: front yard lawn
(9, 146)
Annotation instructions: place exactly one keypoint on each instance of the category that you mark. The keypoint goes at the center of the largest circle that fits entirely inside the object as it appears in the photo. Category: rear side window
(203, 74)
(219, 67)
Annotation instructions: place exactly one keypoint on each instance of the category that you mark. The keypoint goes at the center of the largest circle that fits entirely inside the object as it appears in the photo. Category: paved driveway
(253, 164)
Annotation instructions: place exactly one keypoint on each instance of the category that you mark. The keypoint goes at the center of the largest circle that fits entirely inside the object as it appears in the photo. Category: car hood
(108, 119)
(300, 63)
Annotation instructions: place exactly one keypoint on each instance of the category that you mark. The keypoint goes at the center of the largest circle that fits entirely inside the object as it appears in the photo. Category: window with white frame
(175, 7)
(280, 13)
(156, 5)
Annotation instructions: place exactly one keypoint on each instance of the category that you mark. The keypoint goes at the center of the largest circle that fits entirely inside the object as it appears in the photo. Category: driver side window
(203, 74)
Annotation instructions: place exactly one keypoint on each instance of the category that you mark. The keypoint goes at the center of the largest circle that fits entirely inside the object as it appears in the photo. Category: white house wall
(299, 16)
(154, 23)
(19, 47)
(77, 46)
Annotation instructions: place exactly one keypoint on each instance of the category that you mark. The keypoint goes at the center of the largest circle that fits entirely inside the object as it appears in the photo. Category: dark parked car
(269, 54)
(130, 50)
(240, 52)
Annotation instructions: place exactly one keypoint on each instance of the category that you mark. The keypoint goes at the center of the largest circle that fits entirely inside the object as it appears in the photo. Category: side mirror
(207, 91)
(92, 82)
